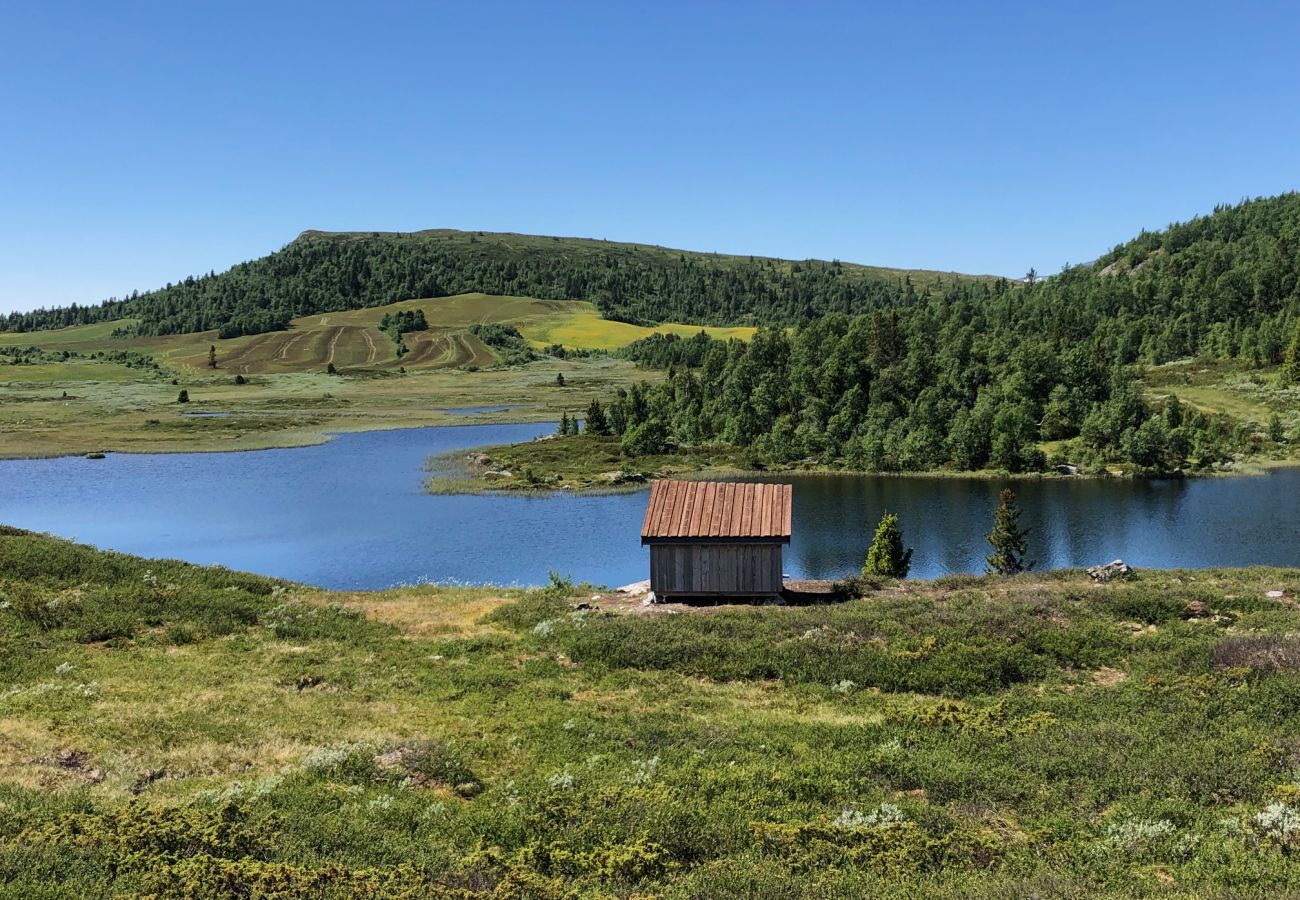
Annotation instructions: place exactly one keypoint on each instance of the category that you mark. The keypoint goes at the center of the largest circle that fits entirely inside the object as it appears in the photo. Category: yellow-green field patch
(582, 326)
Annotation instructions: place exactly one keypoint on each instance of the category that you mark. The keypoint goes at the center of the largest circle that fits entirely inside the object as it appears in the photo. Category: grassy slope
(972, 736)
(82, 405)
(353, 339)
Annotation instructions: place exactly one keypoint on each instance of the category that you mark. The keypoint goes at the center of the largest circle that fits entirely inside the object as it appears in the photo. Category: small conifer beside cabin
(716, 540)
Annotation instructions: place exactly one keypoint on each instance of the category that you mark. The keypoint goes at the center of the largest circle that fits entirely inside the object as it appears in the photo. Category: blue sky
(141, 142)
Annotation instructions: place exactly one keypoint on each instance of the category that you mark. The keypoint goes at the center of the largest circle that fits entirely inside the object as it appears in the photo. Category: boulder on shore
(623, 477)
(1116, 569)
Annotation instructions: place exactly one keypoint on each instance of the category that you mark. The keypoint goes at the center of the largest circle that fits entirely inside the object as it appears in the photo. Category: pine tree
(212, 356)
(1007, 539)
(597, 422)
(887, 556)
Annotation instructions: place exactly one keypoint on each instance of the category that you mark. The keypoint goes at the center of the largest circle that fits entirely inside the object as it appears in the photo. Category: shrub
(1263, 652)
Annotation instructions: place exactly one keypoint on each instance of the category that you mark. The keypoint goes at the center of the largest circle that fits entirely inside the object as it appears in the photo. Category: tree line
(936, 387)
(330, 272)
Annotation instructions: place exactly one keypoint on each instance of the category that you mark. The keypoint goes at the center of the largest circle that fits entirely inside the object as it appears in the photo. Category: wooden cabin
(716, 540)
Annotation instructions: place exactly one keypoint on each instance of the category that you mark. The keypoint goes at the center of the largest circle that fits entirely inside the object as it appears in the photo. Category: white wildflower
(884, 815)
(890, 748)
(1279, 822)
(561, 781)
(1133, 835)
(644, 771)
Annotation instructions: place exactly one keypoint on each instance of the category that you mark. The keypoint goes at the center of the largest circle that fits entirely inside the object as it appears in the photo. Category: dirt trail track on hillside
(334, 342)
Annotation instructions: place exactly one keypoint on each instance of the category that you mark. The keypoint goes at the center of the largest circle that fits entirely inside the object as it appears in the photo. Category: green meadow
(73, 398)
(177, 731)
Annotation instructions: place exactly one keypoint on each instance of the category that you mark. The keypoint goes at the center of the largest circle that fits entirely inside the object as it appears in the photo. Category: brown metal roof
(715, 509)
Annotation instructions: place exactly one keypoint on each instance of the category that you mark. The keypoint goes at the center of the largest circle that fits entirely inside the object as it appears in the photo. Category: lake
(352, 514)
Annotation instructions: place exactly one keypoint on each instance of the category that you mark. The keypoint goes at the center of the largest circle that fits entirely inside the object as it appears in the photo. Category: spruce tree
(887, 556)
(564, 424)
(183, 396)
(1007, 538)
(597, 423)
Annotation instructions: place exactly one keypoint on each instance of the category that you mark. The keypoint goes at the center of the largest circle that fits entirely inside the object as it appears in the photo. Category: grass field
(52, 418)
(81, 405)
(187, 732)
(73, 370)
(352, 340)
(1245, 393)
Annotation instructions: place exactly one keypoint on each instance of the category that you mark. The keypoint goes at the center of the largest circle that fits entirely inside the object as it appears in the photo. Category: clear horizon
(150, 142)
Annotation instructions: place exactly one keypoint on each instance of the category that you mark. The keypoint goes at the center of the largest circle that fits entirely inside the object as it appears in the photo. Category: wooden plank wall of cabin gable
(742, 569)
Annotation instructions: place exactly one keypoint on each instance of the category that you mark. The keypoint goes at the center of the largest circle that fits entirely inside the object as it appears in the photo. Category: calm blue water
(352, 514)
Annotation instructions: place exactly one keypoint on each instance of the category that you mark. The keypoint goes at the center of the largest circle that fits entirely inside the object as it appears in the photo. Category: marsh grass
(182, 731)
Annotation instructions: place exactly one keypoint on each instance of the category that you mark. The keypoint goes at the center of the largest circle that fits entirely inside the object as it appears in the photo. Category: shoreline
(302, 438)
(309, 438)
(467, 483)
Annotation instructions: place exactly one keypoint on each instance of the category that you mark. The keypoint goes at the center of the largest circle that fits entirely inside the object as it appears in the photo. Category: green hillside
(1017, 378)
(324, 272)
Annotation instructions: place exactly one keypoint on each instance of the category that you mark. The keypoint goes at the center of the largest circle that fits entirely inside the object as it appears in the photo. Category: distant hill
(327, 272)
(1235, 269)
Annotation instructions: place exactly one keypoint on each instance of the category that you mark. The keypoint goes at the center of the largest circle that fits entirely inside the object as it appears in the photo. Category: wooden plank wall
(706, 569)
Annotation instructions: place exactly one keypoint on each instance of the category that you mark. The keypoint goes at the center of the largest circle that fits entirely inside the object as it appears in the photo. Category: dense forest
(982, 376)
(322, 272)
